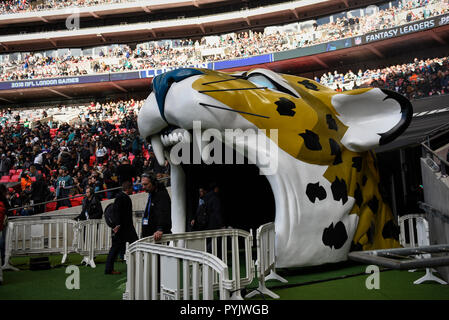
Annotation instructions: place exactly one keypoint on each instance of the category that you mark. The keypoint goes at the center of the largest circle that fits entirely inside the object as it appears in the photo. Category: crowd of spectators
(18, 6)
(415, 80)
(154, 55)
(42, 163)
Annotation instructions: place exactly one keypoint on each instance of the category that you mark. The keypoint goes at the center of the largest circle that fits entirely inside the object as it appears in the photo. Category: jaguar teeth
(173, 138)
(158, 149)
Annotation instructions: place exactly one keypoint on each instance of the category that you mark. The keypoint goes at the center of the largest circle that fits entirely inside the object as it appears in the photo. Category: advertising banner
(37, 83)
(300, 52)
(151, 73)
(124, 76)
(404, 29)
(243, 62)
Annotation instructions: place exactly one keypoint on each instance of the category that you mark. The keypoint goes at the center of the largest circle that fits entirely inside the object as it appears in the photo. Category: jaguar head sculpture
(326, 181)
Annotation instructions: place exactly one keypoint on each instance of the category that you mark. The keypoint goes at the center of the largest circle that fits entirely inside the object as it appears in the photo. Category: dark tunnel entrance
(245, 195)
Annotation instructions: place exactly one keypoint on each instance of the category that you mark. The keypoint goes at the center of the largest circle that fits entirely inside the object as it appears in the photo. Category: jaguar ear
(374, 117)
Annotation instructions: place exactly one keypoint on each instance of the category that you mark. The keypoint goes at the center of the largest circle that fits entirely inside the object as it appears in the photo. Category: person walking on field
(123, 231)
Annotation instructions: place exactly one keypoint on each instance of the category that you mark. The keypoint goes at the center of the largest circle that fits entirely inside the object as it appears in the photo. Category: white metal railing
(27, 237)
(416, 235)
(160, 272)
(94, 236)
(266, 260)
(56, 235)
(216, 242)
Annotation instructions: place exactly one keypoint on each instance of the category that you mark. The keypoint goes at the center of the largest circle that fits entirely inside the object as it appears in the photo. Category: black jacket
(92, 207)
(214, 211)
(39, 190)
(159, 218)
(124, 207)
(126, 172)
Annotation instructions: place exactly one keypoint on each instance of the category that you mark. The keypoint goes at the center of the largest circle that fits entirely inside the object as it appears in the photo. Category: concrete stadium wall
(139, 201)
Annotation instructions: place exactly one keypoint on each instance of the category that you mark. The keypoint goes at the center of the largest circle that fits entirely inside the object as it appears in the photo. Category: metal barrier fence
(52, 236)
(215, 242)
(266, 260)
(160, 272)
(39, 235)
(93, 238)
(414, 234)
(202, 256)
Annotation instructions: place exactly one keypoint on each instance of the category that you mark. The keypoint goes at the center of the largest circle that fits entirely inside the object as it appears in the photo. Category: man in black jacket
(213, 208)
(91, 206)
(39, 192)
(126, 171)
(124, 230)
(156, 219)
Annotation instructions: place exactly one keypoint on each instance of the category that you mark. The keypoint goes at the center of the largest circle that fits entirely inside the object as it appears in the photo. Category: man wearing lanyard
(156, 219)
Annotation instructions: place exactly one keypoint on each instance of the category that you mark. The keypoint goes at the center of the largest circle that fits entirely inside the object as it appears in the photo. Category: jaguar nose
(162, 83)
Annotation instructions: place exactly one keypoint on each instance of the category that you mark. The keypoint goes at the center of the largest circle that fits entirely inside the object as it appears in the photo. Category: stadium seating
(50, 207)
(77, 201)
(92, 161)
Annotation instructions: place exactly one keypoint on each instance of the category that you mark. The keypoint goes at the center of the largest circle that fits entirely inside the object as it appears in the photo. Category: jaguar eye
(261, 80)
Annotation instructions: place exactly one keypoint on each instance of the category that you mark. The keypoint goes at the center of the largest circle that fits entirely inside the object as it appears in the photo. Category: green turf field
(51, 284)
(330, 282)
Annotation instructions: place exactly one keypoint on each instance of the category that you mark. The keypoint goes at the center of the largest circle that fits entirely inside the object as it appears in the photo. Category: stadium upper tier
(186, 52)
(76, 33)
(415, 79)
(134, 12)
(49, 6)
(143, 11)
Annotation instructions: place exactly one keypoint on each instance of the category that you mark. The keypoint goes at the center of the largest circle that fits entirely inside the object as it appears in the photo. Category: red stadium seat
(5, 179)
(77, 201)
(33, 179)
(50, 207)
(12, 172)
(15, 178)
(60, 208)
